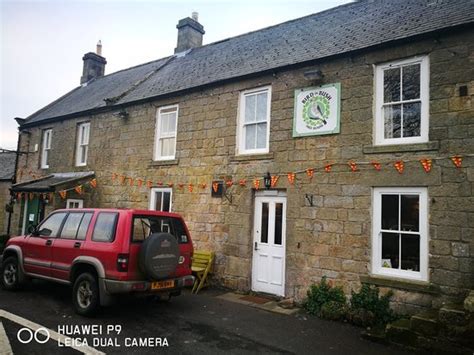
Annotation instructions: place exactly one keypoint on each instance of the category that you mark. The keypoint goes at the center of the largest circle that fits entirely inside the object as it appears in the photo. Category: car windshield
(144, 226)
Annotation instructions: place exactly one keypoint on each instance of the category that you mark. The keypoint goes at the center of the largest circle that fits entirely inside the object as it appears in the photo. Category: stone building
(7, 173)
(339, 107)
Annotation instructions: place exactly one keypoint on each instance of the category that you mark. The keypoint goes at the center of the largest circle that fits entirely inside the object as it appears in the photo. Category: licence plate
(159, 285)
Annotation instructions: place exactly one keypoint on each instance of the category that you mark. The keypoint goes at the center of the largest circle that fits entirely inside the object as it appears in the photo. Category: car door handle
(49, 242)
(77, 245)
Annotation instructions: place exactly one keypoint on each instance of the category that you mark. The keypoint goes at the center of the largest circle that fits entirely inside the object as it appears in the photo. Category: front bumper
(117, 287)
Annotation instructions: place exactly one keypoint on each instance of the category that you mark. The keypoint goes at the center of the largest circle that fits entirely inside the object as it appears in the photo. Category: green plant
(367, 307)
(325, 301)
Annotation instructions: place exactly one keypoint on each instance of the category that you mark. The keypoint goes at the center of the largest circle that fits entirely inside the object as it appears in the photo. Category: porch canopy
(53, 182)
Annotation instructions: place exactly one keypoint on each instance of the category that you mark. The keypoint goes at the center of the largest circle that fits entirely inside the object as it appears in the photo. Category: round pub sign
(317, 110)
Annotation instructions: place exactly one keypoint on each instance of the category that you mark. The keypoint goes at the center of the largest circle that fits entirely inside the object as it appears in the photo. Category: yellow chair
(202, 262)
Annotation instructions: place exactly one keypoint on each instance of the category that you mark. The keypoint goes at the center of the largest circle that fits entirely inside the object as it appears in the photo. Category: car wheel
(11, 274)
(85, 295)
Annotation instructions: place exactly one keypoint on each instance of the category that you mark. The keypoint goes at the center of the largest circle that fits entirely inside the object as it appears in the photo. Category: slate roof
(343, 29)
(52, 182)
(7, 165)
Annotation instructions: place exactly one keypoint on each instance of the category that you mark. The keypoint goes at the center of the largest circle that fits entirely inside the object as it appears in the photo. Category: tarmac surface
(212, 322)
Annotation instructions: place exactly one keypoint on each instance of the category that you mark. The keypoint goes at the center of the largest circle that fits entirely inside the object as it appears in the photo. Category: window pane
(166, 201)
(411, 82)
(144, 226)
(164, 124)
(391, 85)
(158, 201)
(390, 212)
(172, 146)
(411, 119)
(278, 222)
(390, 250)
(250, 108)
(71, 225)
(262, 107)
(166, 149)
(250, 132)
(82, 232)
(410, 213)
(52, 224)
(172, 123)
(264, 225)
(392, 120)
(104, 229)
(261, 135)
(410, 252)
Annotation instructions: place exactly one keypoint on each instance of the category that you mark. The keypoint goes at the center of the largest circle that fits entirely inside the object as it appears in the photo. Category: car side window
(71, 225)
(104, 229)
(50, 227)
(82, 231)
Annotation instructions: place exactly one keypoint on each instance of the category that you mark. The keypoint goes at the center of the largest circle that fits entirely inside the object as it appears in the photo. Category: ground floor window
(74, 203)
(160, 199)
(400, 232)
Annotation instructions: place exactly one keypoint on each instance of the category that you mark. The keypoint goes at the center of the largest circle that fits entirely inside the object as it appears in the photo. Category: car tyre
(85, 295)
(11, 274)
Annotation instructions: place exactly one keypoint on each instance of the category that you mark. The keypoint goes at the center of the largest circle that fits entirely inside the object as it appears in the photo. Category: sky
(42, 42)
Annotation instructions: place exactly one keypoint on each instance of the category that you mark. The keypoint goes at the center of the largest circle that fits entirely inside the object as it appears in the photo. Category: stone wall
(4, 199)
(331, 238)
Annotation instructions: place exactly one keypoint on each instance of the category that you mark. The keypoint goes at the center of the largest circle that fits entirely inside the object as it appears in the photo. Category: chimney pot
(99, 48)
(190, 33)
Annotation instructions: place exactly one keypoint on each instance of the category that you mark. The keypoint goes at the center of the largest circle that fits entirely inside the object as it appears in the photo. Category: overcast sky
(43, 41)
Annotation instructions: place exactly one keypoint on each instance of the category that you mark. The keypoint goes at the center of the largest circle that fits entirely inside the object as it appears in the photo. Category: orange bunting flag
(215, 186)
(149, 184)
(180, 186)
(274, 181)
(114, 176)
(353, 166)
(426, 164)
(159, 183)
(310, 172)
(229, 183)
(190, 187)
(399, 165)
(139, 182)
(93, 183)
(122, 179)
(170, 184)
(31, 195)
(457, 161)
(131, 181)
(328, 168)
(242, 182)
(203, 185)
(78, 189)
(377, 166)
(62, 194)
(256, 184)
(18, 196)
(291, 178)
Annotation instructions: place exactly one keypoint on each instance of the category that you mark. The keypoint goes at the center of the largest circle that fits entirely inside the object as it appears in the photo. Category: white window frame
(379, 137)
(83, 134)
(162, 190)
(241, 121)
(376, 261)
(46, 147)
(158, 135)
(72, 200)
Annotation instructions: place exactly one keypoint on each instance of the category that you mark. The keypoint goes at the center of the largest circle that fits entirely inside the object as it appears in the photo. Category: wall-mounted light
(267, 181)
(123, 114)
(314, 75)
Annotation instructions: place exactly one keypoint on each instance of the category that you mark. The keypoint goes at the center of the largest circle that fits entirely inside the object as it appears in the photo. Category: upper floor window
(82, 143)
(400, 233)
(253, 135)
(165, 134)
(160, 199)
(402, 102)
(45, 148)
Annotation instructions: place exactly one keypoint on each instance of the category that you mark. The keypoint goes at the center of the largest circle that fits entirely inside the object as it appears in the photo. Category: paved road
(189, 324)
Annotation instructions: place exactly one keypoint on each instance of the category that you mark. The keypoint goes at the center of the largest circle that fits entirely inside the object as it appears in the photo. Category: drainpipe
(14, 176)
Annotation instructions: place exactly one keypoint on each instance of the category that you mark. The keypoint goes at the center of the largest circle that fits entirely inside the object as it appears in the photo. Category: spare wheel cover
(159, 255)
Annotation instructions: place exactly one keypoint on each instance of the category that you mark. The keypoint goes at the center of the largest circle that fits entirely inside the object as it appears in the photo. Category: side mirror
(32, 229)
(45, 232)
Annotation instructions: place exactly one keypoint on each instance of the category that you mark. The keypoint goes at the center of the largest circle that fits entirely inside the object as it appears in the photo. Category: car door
(69, 243)
(37, 250)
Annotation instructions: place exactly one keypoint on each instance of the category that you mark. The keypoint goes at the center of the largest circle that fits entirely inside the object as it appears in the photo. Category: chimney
(190, 33)
(94, 65)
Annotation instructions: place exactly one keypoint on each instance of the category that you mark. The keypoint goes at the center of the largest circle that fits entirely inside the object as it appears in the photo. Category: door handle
(77, 245)
(255, 246)
(49, 242)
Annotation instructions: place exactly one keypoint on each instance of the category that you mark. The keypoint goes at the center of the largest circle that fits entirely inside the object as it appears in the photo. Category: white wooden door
(268, 266)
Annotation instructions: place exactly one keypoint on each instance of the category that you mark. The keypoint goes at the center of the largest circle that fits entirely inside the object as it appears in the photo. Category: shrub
(367, 307)
(325, 301)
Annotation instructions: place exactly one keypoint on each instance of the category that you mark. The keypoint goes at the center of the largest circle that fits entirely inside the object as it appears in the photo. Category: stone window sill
(401, 148)
(247, 157)
(403, 284)
(158, 163)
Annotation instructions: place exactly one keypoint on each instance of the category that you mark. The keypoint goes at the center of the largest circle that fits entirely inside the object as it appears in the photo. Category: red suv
(103, 252)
